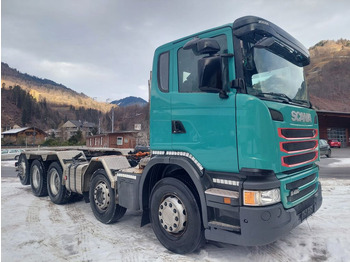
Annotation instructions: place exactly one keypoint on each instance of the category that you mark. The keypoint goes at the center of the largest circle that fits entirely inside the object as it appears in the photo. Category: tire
(23, 170)
(329, 153)
(102, 199)
(57, 192)
(175, 216)
(38, 178)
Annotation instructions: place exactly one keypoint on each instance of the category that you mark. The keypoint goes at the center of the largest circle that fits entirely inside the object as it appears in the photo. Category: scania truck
(234, 144)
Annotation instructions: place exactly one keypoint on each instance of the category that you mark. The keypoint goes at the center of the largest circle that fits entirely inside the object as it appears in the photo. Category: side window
(119, 141)
(188, 67)
(163, 72)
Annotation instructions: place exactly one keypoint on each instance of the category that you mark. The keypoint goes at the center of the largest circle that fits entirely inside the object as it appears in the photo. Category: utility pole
(112, 120)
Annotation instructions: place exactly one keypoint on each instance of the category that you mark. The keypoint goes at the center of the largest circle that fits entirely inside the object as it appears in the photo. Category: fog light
(261, 198)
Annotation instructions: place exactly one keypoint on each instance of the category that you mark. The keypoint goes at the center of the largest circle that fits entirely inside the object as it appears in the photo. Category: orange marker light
(227, 200)
(249, 198)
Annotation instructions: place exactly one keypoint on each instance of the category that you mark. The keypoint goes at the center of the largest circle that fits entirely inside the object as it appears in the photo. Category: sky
(105, 48)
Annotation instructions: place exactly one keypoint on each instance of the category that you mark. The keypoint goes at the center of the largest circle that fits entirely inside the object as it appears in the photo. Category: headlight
(261, 198)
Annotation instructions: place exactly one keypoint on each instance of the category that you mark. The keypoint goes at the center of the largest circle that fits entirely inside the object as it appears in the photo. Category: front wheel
(102, 199)
(175, 216)
(38, 178)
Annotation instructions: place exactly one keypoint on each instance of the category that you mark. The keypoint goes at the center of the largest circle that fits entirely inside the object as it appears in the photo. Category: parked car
(334, 143)
(325, 149)
(10, 154)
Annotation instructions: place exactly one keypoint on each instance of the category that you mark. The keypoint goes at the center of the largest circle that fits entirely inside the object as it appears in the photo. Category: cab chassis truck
(234, 144)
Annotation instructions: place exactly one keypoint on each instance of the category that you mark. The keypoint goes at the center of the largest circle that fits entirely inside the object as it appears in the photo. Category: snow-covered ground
(35, 229)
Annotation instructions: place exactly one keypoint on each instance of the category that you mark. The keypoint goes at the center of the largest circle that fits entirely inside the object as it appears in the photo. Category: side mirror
(209, 74)
(203, 46)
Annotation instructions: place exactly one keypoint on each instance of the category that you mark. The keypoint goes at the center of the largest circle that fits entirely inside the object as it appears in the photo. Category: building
(27, 136)
(334, 125)
(71, 127)
(119, 139)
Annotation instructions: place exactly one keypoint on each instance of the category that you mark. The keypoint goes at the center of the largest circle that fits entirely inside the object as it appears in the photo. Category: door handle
(177, 127)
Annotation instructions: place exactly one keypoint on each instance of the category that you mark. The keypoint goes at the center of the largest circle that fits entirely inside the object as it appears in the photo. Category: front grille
(296, 133)
(290, 147)
(301, 182)
(296, 191)
(301, 193)
(290, 161)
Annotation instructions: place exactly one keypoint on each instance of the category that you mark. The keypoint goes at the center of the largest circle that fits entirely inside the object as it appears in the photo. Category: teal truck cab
(233, 137)
(231, 120)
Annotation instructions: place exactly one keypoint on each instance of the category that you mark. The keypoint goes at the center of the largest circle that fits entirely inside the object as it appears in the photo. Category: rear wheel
(102, 199)
(38, 178)
(23, 170)
(175, 216)
(329, 153)
(57, 192)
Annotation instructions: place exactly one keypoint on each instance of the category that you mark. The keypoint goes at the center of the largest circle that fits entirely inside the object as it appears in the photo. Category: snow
(8, 163)
(35, 229)
(340, 162)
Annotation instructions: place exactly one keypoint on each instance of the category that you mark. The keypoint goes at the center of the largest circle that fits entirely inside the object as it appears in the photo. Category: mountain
(58, 95)
(29, 100)
(328, 75)
(130, 100)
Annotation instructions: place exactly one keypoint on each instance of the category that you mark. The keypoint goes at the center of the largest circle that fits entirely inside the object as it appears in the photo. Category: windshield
(271, 77)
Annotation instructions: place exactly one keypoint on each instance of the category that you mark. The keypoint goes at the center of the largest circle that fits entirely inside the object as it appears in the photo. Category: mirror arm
(223, 94)
(238, 84)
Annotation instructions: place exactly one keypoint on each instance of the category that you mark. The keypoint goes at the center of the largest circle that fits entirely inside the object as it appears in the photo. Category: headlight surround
(261, 197)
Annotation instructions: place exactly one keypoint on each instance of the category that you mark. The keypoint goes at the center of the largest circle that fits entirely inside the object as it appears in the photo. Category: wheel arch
(93, 166)
(178, 167)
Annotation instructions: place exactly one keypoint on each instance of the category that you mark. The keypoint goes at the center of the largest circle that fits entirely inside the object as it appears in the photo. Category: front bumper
(263, 225)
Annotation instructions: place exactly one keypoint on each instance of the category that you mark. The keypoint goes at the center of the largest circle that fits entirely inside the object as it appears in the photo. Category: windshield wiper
(299, 101)
(279, 95)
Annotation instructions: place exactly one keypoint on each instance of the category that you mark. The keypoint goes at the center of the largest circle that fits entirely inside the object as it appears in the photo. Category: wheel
(175, 216)
(57, 192)
(23, 170)
(102, 199)
(329, 153)
(38, 178)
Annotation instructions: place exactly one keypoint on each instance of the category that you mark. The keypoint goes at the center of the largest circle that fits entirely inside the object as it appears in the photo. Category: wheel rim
(172, 215)
(22, 169)
(101, 196)
(36, 176)
(54, 182)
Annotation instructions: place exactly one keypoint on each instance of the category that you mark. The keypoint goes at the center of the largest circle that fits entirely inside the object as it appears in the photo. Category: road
(8, 168)
(338, 166)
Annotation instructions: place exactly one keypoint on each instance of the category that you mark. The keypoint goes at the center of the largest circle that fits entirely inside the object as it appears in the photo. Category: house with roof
(118, 139)
(71, 127)
(27, 136)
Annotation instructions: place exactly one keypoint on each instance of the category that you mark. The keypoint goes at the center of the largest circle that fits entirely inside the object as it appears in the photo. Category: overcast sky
(105, 48)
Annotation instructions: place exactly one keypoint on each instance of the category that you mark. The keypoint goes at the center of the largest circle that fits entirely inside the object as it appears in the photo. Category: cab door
(203, 124)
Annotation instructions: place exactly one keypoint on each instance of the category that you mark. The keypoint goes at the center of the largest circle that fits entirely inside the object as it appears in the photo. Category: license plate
(307, 212)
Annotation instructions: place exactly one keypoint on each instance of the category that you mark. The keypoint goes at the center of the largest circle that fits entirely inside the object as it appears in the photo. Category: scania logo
(294, 192)
(301, 117)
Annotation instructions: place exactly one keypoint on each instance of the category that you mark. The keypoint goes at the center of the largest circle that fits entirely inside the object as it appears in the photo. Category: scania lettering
(301, 116)
(234, 144)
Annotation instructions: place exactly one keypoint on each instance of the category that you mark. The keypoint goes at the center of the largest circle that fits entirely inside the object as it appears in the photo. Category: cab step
(224, 226)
